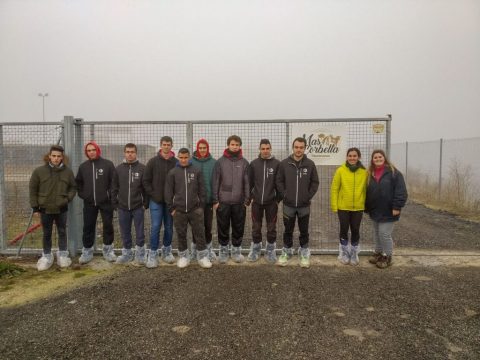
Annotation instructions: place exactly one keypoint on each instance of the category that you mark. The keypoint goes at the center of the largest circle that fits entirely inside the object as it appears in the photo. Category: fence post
(190, 137)
(388, 139)
(3, 198)
(406, 162)
(73, 148)
(440, 171)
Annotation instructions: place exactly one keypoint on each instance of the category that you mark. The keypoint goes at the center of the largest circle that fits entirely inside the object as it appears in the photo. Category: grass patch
(8, 270)
(79, 275)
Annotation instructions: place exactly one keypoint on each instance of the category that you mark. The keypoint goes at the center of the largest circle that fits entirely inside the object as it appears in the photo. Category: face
(166, 147)
(130, 155)
(265, 151)
(352, 158)
(202, 149)
(55, 157)
(378, 159)
(91, 152)
(234, 146)
(183, 159)
(298, 149)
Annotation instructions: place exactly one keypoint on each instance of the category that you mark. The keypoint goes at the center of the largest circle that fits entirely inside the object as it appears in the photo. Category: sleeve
(201, 188)
(115, 187)
(145, 197)
(334, 190)
(246, 186)
(314, 182)
(251, 179)
(280, 181)
(79, 181)
(33, 189)
(216, 182)
(400, 194)
(72, 186)
(148, 178)
(170, 190)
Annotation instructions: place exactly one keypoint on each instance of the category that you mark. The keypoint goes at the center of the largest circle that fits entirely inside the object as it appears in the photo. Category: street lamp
(43, 96)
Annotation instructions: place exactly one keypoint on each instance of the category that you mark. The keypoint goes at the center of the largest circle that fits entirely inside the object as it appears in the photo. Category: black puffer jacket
(184, 189)
(94, 181)
(384, 196)
(262, 175)
(128, 191)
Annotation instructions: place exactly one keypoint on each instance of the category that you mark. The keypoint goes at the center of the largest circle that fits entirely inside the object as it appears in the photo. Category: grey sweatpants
(383, 237)
(195, 219)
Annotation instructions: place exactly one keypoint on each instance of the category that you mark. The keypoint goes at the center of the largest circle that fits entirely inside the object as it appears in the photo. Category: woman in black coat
(386, 196)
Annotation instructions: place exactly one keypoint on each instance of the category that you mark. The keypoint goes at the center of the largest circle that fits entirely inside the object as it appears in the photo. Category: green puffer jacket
(51, 189)
(206, 165)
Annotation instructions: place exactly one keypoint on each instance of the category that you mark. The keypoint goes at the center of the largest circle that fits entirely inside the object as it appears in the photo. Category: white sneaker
(45, 262)
(108, 253)
(183, 262)
(63, 260)
(205, 262)
(152, 259)
(87, 255)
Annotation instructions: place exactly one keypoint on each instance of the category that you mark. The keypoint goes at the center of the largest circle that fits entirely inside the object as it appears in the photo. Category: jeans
(47, 221)
(233, 214)
(383, 237)
(90, 214)
(125, 218)
(270, 211)
(158, 214)
(289, 215)
(352, 220)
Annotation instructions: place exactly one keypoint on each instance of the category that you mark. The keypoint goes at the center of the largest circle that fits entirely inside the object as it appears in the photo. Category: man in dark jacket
(130, 198)
(94, 180)
(230, 191)
(52, 187)
(297, 182)
(203, 160)
(185, 198)
(154, 183)
(262, 173)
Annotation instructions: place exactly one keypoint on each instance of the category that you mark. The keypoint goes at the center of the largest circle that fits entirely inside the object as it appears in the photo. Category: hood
(99, 151)
(197, 153)
(227, 154)
(171, 154)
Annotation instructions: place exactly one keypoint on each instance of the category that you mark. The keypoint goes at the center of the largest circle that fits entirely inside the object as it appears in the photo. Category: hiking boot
(211, 254)
(139, 255)
(223, 254)
(354, 250)
(193, 252)
(126, 257)
(108, 253)
(203, 260)
(152, 259)
(384, 261)
(270, 254)
(304, 254)
(287, 254)
(343, 254)
(183, 259)
(237, 254)
(87, 255)
(167, 255)
(375, 257)
(254, 253)
(45, 262)
(63, 260)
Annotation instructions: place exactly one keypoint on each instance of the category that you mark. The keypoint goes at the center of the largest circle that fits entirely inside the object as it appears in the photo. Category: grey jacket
(230, 184)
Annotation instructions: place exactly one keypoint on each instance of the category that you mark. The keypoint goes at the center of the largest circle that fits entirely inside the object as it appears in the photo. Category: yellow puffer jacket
(348, 189)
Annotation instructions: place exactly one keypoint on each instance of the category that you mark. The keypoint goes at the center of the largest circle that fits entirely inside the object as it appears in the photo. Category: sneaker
(237, 254)
(63, 260)
(193, 252)
(354, 250)
(211, 254)
(167, 255)
(254, 253)
(270, 254)
(139, 255)
(384, 261)
(183, 259)
(152, 259)
(285, 257)
(223, 254)
(45, 262)
(343, 254)
(108, 253)
(203, 259)
(126, 257)
(304, 254)
(87, 255)
(375, 257)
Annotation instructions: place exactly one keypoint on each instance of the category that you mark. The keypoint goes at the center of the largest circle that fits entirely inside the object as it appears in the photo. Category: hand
(173, 212)
(215, 206)
(395, 212)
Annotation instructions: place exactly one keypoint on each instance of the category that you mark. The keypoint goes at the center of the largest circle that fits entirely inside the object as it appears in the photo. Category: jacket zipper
(353, 200)
(296, 195)
(94, 175)
(263, 188)
(129, 182)
(186, 190)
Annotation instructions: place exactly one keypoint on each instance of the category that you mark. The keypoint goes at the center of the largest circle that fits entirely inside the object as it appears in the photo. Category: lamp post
(43, 96)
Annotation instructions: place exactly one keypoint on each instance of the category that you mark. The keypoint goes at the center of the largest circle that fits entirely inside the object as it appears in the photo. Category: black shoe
(384, 261)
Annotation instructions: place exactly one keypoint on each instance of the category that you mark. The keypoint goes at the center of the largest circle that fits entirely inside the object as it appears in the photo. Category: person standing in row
(52, 186)
(297, 182)
(262, 176)
(386, 196)
(230, 191)
(204, 161)
(154, 183)
(347, 197)
(130, 198)
(94, 180)
(185, 198)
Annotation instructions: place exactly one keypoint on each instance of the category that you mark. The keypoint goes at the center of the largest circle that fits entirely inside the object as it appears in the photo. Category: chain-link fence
(23, 146)
(441, 171)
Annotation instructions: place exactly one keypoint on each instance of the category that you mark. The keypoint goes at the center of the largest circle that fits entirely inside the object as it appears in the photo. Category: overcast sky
(227, 59)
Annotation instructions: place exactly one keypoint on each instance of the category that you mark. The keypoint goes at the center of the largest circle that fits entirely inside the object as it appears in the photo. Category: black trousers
(350, 220)
(60, 221)
(289, 216)
(234, 215)
(90, 214)
(270, 211)
(195, 219)
(207, 223)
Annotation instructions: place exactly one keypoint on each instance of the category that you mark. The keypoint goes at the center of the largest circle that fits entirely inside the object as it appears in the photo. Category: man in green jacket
(52, 187)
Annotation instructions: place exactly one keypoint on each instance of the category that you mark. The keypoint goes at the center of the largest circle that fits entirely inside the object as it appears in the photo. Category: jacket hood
(202, 141)
(180, 166)
(228, 155)
(171, 154)
(99, 151)
(271, 157)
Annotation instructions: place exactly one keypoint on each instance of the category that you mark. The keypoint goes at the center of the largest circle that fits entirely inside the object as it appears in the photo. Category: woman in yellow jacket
(348, 192)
